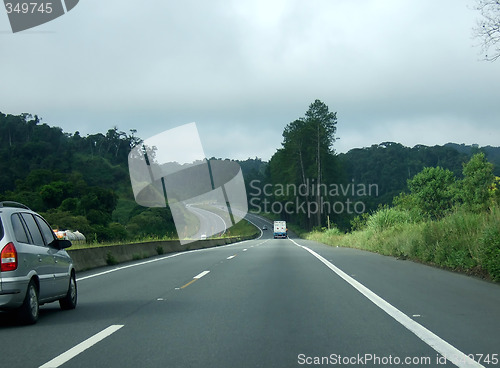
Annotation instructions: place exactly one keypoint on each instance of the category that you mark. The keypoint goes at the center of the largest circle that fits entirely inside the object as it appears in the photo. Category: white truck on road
(280, 230)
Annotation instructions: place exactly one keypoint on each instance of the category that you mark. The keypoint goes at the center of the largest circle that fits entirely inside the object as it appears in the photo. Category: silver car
(34, 267)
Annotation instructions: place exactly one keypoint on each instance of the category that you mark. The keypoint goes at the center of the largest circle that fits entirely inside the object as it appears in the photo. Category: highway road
(265, 303)
(209, 222)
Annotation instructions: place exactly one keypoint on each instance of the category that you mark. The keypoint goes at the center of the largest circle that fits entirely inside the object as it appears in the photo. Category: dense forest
(337, 188)
(82, 183)
(78, 183)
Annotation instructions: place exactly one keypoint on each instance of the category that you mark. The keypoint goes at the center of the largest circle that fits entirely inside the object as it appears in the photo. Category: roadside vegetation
(80, 183)
(443, 221)
(427, 205)
(242, 228)
(439, 205)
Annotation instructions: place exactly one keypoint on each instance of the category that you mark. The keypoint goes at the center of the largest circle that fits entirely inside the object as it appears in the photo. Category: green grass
(241, 229)
(462, 241)
(127, 241)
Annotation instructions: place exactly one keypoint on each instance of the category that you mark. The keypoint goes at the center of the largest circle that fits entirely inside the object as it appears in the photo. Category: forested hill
(492, 153)
(83, 183)
(390, 165)
(78, 183)
(28, 145)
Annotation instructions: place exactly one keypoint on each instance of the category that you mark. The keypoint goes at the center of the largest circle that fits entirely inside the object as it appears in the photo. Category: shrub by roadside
(463, 241)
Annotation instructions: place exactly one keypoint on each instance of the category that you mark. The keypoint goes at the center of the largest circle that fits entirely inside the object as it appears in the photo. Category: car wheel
(69, 301)
(28, 312)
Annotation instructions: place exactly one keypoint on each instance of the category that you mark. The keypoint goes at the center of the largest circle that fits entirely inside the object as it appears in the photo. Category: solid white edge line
(260, 218)
(447, 350)
(81, 347)
(119, 268)
(213, 213)
(200, 275)
(169, 256)
(135, 265)
(250, 221)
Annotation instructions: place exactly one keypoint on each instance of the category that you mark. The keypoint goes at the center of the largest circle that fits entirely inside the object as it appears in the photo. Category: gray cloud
(404, 71)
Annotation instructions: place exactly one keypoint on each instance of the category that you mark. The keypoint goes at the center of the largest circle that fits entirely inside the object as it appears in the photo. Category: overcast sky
(403, 71)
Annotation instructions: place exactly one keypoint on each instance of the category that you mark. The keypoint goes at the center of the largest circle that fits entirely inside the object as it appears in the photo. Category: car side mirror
(60, 244)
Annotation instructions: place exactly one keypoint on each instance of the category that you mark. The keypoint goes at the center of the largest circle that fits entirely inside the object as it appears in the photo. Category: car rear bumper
(12, 293)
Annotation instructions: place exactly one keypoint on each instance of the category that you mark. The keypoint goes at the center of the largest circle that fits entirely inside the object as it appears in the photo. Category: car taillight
(8, 258)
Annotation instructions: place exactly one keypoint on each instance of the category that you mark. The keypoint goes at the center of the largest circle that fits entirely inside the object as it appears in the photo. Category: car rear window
(36, 235)
(46, 230)
(19, 230)
(1, 229)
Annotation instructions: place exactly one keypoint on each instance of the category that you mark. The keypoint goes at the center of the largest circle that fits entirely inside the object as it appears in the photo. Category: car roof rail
(13, 204)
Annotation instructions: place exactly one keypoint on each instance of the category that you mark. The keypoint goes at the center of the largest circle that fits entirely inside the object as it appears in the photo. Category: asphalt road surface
(265, 303)
(209, 222)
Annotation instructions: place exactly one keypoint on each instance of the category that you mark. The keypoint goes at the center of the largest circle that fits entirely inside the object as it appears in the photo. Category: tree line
(307, 158)
(82, 183)
(77, 183)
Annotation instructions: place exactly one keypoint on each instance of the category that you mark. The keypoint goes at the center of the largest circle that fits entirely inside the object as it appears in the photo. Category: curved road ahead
(209, 222)
(265, 303)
